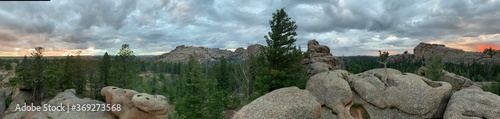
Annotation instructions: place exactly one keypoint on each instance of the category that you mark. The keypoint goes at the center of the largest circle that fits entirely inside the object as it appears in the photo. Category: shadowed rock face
(136, 105)
(452, 55)
(284, 103)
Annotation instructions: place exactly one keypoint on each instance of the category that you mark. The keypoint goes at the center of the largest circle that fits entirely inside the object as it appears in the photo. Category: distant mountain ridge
(425, 51)
(182, 53)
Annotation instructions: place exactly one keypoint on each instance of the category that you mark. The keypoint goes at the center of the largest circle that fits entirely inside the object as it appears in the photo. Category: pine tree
(23, 74)
(52, 75)
(197, 92)
(124, 68)
(68, 73)
(37, 70)
(281, 65)
(435, 67)
(105, 66)
(223, 75)
(79, 81)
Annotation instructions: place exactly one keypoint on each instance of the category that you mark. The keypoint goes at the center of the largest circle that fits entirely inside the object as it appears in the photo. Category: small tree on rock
(383, 59)
(435, 67)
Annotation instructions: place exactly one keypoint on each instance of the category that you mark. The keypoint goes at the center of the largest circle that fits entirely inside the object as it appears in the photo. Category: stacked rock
(319, 55)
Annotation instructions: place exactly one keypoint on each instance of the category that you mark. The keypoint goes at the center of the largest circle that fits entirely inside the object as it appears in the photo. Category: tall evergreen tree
(223, 75)
(37, 69)
(105, 66)
(125, 68)
(280, 60)
(79, 81)
(197, 92)
(68, 73)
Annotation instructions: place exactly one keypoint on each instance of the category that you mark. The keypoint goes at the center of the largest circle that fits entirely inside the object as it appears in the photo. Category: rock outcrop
(66, 99)
(408, 94)
(452, 55)
(472, 103)
(320, 54)
(284, 103)
(182, 53)
(136, 105)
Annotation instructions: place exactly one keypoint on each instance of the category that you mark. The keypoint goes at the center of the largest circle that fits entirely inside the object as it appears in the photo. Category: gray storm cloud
(354, 27)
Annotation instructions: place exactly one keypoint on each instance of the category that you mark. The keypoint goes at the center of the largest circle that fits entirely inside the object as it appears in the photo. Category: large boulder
(153, 104)
(136, 105)
(332, 90)
(284, 103)
(407, 94)
(473, 103)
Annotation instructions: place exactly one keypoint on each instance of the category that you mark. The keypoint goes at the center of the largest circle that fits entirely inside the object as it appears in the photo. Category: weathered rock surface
(333, 91)
(452, 55)
(327, 113)
(318, 67)
(408, 95)
(66, 99)
(182, 53)
(153, 104)
(3, 96)
(136, 105)
(473, 103)
(284, 103)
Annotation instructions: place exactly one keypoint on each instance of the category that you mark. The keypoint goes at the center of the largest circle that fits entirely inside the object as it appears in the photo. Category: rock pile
(318, 56)
(135, 105)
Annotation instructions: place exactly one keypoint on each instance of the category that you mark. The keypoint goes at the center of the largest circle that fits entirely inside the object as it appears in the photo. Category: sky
(153, 27)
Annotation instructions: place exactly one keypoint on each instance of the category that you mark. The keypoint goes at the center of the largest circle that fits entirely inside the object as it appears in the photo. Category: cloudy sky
(153, 27)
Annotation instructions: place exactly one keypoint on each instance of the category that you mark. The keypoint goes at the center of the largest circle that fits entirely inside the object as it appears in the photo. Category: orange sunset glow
(480, 48)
